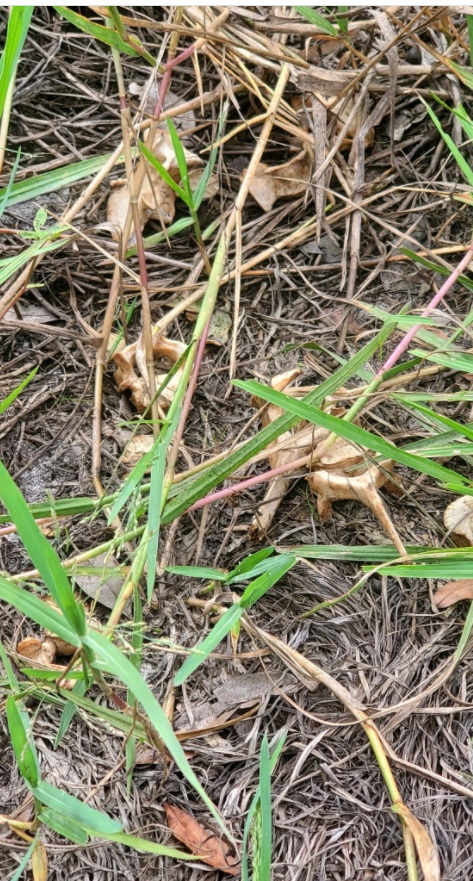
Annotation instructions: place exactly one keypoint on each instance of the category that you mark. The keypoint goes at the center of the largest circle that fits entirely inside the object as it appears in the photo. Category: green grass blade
(266, 830)
(34, 608)
(350, 432)
(463, 430)
(49, 181)
(17, 29)
(313, 17)
(469, 24)
(14, 394)
(264, 582)
(451, 360)
(156, 496)
(455, 152)
(75, 810)
(202, 651)
(275, 753)
(99, 32)
(354, 553)
(7, 190)
(247, 566)
(156, 239)
(141, 844)
(451, 570)
(23, 746)
(24, 862)
(63, 826)
(183, 496)
(41, 552)
(12, 680)
(436, 267)
(165, 175)
(181, 160)
(118, 665)
(205, 572)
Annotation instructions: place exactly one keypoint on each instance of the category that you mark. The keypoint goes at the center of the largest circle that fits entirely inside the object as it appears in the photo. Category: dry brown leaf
(458, 519)
(105, 582)
(425, 847)
(127, 379)
(332, 486)
(136, 448)
(318, 79)
(42, 651)
(201, 841)
(39, 862)
(453, 592)
(40, 654)
(156, 198)
(271, 183)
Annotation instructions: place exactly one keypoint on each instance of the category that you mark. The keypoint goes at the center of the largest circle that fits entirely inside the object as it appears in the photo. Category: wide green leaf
(315, 18)
(63, 826)
(75, 810)
(264, 582)
(18, 23)
(49, 181)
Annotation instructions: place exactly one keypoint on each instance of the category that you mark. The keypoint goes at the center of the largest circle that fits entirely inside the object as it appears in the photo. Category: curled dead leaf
(271, 183)
(127, 379)
(458, 519)
(156, 198)
(453, 592)
(362, 486)
(40, 654)
(425, 847)
(39, 862)
(201, 841)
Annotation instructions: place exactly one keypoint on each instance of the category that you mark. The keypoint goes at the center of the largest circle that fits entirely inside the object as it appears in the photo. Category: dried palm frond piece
(127, 379)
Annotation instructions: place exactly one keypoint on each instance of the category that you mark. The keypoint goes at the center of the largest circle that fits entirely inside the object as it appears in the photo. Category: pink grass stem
(402, 346)
(250, 481)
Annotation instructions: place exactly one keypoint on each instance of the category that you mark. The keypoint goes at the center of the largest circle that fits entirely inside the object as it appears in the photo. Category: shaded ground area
(303, 305)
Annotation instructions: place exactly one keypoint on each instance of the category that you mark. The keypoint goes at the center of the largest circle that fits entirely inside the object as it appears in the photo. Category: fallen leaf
(425, 847)
(271, 183)
(104, 582)
(39, 862)
(360, 485)
(127, 379)
(201, 841)
(453, 592)
(182, 122)
(136, 448)
(42, 651)
(40, 654)
(318, 79)
(458, 519)
(156, 198)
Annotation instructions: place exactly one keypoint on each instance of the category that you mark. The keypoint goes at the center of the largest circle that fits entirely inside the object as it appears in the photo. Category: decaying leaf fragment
(453, 592)
(156, 198)
(41, 654)
(201, 841)
(271, 183)
(425, 847)
(458, 519)
(335, 482)
(127, 379)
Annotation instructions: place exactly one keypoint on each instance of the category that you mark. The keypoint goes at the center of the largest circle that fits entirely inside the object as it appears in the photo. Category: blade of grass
(313, 17)
(181, 497)
(14, 394)
(49, 181)
(352, 433)
(118, 665)
(455, 152)
(41, 552)
(105, 35)
(18, 23)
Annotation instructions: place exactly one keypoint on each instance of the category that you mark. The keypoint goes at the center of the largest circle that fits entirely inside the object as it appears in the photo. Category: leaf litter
(383, 640)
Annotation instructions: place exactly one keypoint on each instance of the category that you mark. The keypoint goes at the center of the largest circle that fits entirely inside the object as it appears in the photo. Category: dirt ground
(387, 643)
